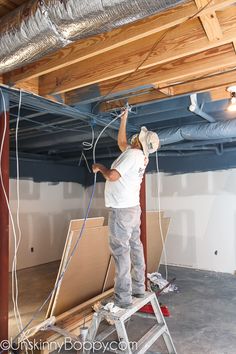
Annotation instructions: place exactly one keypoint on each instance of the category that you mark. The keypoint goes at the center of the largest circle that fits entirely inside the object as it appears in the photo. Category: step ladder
(119, 318)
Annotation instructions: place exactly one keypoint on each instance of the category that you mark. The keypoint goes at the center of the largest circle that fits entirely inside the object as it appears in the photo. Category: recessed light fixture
(232, 106)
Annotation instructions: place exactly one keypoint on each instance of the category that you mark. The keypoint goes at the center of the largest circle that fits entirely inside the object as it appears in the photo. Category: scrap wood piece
(85, 275)
(154, 241)
(70, 320)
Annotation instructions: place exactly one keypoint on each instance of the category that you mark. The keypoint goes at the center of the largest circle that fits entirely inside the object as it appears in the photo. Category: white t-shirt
(124, 193)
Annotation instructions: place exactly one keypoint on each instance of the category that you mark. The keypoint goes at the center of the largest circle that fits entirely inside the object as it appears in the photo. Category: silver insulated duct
(41, 26)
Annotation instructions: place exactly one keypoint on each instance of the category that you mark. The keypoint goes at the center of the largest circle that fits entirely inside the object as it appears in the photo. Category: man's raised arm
(122, 138)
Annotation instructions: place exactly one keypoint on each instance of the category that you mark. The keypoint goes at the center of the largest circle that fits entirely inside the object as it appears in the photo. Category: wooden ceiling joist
(152, 95)
(186, 40)
(210, 22)
(85, 49)
(207, 62)
(203, 84)
(215, 86)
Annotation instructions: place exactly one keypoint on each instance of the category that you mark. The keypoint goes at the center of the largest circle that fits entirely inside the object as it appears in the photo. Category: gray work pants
(127, 250)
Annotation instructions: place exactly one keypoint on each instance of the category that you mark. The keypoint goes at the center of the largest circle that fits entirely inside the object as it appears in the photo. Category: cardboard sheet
(86, 272)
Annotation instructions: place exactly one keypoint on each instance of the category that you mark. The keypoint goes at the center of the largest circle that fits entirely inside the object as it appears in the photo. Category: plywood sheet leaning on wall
(85, 275)
(154, 241)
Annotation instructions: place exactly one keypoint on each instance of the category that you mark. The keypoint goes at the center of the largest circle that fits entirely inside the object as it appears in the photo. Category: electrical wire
(59, 280)
(14, 263)
(159, 214)
(90, 146)
(9, 210)
(156, 43)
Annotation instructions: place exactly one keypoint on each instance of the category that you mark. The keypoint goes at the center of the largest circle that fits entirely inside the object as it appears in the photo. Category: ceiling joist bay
(188, 39)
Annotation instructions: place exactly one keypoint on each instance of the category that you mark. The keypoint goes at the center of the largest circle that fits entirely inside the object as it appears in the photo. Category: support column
(4, 224)
(143, 218)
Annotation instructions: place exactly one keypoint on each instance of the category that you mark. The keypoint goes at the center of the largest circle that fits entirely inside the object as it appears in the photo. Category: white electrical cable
(159, 214)
(100, 134)
(58, 282)
(16, 244)
(14, 265)
(86, 144)
(15, 291)
(8, 206)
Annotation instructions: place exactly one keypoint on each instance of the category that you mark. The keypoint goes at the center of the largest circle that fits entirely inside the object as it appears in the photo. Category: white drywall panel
(45, 212)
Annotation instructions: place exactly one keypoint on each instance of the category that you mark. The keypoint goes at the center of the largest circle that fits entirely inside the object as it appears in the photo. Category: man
(122, 190)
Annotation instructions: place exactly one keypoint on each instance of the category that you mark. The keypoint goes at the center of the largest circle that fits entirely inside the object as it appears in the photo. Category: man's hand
(124, 114)
(96, 167)
(108, 174)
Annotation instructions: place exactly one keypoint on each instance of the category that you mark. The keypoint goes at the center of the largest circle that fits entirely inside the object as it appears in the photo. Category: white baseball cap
(149, 141)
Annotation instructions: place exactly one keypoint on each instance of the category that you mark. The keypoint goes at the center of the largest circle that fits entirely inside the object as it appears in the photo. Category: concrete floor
(34, 286)
(203, 313)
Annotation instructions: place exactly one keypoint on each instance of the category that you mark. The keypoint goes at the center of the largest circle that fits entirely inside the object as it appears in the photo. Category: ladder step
(150, 337)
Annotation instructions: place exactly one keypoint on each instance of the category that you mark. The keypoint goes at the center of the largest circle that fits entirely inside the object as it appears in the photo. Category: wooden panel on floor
(75, 225)
(86, 272)
(154, 240)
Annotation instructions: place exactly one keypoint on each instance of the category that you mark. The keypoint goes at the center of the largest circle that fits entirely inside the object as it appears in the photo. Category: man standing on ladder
(122, 189)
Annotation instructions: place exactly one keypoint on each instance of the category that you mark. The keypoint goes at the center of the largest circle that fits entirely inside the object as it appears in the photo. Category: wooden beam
(209, 22)
(234, 44)
(205, 84)
(85, 49)
(152, 95)
(189, 68)
(31, 85)
(186, 40)
(219, 93)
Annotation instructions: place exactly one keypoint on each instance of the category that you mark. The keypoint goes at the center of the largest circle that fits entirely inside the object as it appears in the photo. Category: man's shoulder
(133, 151)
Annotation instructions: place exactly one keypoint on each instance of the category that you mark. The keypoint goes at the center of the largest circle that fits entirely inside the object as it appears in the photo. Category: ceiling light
(232, 106)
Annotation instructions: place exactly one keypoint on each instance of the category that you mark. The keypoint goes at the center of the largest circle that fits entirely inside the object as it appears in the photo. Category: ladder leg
(123, 338)
(92, 332)
(160, 319)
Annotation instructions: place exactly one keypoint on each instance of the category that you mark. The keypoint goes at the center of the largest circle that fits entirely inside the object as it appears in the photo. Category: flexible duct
(203, 131)
(41, 26)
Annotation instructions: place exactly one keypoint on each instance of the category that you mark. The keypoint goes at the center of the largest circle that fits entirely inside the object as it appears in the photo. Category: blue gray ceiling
(55, 132)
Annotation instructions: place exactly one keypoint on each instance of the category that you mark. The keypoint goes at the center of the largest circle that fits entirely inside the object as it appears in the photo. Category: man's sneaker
(139, 296)
(123, 305)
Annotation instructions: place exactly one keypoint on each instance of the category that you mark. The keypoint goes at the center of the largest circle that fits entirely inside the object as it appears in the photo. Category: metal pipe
(194, 108)
(4, 225)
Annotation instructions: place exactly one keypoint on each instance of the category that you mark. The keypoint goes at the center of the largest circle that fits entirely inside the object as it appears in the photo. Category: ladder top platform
(124, 314)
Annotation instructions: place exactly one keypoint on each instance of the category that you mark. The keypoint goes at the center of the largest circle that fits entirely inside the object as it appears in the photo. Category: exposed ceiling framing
(194, 39)
(150, 63)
